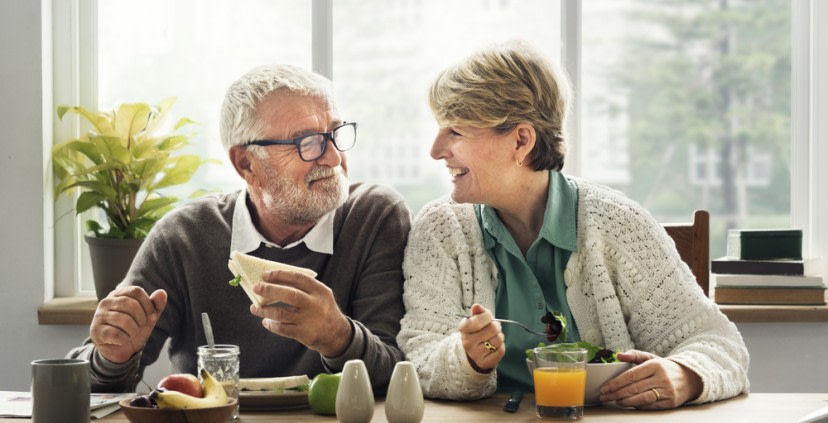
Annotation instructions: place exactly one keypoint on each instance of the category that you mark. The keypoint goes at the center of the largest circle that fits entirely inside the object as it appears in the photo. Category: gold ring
(489, 346)
(658, 396)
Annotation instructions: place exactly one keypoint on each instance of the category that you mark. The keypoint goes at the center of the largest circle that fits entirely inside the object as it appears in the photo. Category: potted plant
(119, 167)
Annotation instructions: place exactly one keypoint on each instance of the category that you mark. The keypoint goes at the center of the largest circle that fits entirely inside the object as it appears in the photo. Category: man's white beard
(306, 204)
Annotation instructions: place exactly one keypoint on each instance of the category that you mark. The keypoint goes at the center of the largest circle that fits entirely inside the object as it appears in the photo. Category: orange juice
(560, 387)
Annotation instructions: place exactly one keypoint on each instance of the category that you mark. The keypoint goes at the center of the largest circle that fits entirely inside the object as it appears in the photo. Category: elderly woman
(519, 240)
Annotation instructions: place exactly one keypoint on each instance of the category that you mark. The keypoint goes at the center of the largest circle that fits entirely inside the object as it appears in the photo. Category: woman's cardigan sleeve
(446, 270)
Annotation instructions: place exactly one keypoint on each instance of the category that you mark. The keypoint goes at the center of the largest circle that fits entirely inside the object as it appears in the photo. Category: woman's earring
(519, 163)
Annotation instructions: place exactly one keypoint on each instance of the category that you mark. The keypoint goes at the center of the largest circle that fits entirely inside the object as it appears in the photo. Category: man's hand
(655, 384)
(309, 313)
(124, 321)
(482, 339)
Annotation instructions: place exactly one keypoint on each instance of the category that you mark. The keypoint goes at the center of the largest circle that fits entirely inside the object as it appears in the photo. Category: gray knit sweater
(186, 254)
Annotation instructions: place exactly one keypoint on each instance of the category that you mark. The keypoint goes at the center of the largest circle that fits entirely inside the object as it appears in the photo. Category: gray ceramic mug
(60, 391)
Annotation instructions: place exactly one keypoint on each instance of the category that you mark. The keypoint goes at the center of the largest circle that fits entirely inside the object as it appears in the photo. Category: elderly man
(286, 139)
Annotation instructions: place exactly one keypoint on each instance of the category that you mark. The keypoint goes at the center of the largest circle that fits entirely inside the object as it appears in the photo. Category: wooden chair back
(693, 245)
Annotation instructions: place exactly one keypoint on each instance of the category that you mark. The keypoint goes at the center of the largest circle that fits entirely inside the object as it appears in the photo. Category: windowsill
(79, 311)
(67, 311)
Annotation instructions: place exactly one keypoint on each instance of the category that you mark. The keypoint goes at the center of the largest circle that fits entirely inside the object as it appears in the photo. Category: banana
(214, 396)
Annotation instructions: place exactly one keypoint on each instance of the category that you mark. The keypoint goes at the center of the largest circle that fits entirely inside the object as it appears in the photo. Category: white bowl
(596, 375)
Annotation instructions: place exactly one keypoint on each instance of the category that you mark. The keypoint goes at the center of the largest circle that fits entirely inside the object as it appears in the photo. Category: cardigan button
(592, 336)
(567, 276)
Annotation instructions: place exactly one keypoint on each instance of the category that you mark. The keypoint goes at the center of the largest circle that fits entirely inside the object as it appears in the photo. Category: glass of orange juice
(560, 379)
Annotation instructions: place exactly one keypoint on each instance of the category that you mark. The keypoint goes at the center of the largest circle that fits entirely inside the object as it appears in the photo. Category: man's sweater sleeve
(106, 376)
(376, 307)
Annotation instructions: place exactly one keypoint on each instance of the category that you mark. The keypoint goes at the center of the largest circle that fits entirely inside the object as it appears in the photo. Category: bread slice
(273, 383)
(251, 268)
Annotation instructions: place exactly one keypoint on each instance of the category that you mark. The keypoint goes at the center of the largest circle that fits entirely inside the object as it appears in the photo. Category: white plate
(270, 400)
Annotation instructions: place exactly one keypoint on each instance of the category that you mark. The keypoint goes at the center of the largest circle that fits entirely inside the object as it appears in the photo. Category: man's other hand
(124, 321)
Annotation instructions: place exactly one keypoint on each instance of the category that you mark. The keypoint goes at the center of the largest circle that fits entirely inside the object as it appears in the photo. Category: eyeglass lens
(313, 146)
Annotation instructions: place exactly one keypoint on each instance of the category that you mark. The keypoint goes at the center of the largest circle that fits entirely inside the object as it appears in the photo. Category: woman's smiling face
(476, 159)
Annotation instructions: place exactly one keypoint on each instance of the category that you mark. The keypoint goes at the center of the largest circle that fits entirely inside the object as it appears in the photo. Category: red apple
(184, 383)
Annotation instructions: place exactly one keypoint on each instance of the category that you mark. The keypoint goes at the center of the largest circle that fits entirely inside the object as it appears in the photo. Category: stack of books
(766, 268)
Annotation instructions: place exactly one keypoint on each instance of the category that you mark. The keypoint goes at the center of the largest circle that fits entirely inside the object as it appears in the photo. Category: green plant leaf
(115, 233)
(130, 120)
(150, 206)
(160, 115)
(94, 227)
(93, 172)
(112, 148)
(96, 186)
(89, 150)
(183, 122)
(81, 146)
(149, 171)
(182, 170)
(61, 110)
(173, 143)
(120, 164)
(102, 122)
(65, 185)
(140, 227)
(87, 200)
(144, 147)
(200, 193)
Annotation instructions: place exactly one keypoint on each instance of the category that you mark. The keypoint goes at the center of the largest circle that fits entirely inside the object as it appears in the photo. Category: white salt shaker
(404, 400)
(354, 397)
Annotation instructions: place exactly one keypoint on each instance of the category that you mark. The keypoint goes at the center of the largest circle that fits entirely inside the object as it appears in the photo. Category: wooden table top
(753, 408)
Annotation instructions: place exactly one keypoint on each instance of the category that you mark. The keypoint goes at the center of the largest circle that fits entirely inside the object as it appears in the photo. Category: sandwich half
(248, 271)
(273, 383)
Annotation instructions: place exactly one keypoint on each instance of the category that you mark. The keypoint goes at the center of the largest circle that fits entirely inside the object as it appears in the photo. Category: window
(194, 49)
(697, 96)
(144, 51)
(649, 121)
(384, 59)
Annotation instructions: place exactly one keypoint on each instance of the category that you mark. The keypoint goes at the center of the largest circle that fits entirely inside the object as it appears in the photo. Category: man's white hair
(238, 111)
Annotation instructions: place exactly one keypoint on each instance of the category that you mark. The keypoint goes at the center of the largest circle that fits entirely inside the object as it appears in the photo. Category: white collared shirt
(245, 237)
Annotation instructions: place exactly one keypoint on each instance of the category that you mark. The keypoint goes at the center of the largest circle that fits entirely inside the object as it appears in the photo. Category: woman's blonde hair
(502, 86)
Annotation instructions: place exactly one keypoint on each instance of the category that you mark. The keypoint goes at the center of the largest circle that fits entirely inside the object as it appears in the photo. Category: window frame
(74, 81)
(74, 75)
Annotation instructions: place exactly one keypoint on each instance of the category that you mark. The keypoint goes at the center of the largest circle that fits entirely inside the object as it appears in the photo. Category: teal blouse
(530, 286)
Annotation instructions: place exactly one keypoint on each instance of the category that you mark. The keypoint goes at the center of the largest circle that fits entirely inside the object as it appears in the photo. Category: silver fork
(526, 328)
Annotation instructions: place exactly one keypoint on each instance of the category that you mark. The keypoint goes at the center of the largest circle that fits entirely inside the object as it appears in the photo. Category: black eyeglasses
(312, 146)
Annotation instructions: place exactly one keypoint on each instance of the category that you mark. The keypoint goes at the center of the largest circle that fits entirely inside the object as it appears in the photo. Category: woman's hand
(655, 384)
(482, 339)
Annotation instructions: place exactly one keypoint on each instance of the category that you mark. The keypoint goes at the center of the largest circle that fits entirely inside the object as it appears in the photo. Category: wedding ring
(489, 346)
(658, 396)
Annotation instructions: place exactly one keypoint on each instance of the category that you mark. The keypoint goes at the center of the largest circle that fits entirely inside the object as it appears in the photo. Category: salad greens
(300, 388)
(235, 281)
(595, 353)
(555, 325)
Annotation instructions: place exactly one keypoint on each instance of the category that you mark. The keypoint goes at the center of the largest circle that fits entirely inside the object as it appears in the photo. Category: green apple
(322, 393)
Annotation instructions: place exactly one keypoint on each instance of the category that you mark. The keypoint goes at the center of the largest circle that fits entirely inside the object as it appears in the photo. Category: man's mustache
(322, 173)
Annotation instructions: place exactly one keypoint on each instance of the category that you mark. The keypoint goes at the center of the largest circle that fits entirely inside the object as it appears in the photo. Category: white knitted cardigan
(626, 287)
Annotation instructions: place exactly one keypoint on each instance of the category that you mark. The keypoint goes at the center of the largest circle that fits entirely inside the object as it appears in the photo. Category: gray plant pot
(111, 259)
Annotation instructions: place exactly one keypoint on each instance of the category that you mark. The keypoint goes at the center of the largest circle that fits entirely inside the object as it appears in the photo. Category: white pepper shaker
(404, 400)
(354, 397)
